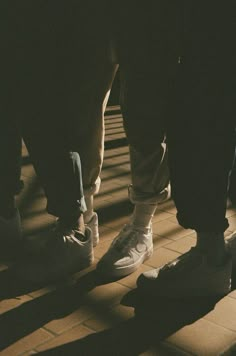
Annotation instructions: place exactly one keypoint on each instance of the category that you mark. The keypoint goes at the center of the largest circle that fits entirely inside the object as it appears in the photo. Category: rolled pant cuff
(153, 198)
(67, 209)
(93, 189)
(203, 225)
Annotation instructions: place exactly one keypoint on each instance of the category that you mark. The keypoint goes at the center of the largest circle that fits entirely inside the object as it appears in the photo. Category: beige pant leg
(91, 142)
(149, 175)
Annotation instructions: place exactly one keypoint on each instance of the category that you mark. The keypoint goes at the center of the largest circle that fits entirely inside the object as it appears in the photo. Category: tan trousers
(149, 171)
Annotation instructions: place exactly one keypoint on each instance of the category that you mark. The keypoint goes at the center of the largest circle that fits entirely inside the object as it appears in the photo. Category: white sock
(89, 212)
(143, 214)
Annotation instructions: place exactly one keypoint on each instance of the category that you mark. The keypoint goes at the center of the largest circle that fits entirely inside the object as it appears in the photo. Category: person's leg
(68, 247)
(49, 140)
(145, 82)
(88, 129)
(10, 185)
(10, 139)
(73, 105)
(88, 75)
(201, 148)
(150, 183)
(10, 158)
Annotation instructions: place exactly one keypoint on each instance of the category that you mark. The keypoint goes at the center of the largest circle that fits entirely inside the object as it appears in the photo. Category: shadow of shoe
(175, 312)
(102, 279)
(155, 320)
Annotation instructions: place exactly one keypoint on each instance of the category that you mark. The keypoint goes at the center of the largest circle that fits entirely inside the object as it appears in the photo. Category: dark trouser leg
(201, 140)
(201, 146)
(146, 70)
(58, 168)
(10, 158)
(143, 108)
(10, 137)
(48, 85)
(56, 46)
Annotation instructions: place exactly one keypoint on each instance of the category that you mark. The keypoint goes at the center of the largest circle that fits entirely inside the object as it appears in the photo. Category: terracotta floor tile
(71, 335)
(117, 223)
(161, 215)
(159, 241)
(203, 338)
(8, 304)
(107, 294)
(110, 318)
(27, 343)
(35, 224)
(224, 314)
(182, 245)
(168, 206)
(170, 230)
(65, 323)
(102, 247)
(232, 294)
(130, 281)
(106, 234)
(42, 291)
(160, 257)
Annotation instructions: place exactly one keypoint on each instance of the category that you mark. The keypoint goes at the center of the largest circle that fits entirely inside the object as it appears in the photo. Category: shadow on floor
(35, 313)
(154, 321)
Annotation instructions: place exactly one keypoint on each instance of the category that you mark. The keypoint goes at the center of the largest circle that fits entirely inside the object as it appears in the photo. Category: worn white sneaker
(10, 236)
(65, 253)
(93, 225)
(127, 252)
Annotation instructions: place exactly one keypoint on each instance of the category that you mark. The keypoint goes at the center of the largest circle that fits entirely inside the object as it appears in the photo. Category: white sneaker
(10, 236)
(93, 225)
(127, 252)
(66, 252)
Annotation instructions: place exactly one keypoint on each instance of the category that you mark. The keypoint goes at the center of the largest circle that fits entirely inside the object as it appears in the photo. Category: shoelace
(129, 239)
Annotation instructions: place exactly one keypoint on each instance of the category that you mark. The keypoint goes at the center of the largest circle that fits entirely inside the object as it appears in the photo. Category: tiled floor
(86, 316)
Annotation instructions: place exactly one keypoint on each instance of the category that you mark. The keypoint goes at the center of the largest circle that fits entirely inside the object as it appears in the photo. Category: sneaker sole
(126, 270)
